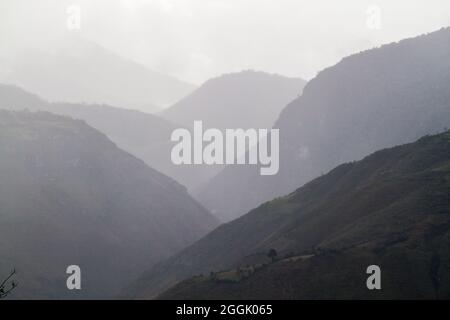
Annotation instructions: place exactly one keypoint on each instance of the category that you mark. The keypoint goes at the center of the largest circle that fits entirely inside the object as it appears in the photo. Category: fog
(133, 139)
(194, 40)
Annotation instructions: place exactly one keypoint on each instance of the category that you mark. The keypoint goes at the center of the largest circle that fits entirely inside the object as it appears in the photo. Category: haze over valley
(168, 149)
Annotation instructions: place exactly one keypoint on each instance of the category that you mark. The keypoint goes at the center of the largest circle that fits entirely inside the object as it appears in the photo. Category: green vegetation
(391, 209)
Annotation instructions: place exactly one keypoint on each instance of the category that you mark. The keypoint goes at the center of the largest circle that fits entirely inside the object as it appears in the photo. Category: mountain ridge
(144, 135)
(371, 100)
(60, 73)
(217, 101)
(247, 100)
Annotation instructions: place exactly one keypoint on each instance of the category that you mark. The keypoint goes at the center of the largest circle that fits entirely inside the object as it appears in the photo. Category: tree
(8, 285)
(272, 254)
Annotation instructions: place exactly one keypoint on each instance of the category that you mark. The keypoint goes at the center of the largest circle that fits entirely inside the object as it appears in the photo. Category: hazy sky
(197, 39)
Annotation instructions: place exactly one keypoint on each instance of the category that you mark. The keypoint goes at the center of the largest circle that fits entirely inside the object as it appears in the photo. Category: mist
(195, 40)
(224, 149)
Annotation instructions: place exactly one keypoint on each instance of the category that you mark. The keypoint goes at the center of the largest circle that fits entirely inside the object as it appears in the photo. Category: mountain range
(364, 179)
(375, 99)
(144, 135)
(147, 136)
(247, 99)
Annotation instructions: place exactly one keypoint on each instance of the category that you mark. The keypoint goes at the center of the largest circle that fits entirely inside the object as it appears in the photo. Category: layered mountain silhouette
(390, 209)
(70, 196)
(148, 136)
(80, 71)
(247, 99)
(144, 135)
(371, 100)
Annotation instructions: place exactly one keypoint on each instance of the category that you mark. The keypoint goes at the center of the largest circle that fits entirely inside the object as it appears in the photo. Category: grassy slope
(391, 208)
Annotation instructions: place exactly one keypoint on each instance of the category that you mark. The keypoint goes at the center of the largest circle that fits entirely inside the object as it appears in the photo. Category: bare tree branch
(4, 290)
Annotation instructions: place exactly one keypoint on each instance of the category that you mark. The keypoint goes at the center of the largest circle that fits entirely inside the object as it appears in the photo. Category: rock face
(70, 196)
(372, 100)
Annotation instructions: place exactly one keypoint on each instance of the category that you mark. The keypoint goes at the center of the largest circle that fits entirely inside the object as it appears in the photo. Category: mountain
(77, 70)
(390, 209)
(70, 196)
(371, 100)
(148, 136)
(144, 135)
(247, 99)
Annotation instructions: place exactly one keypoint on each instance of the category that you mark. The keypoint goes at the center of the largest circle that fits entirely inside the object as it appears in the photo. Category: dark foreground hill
(371, 100)
(69, 196)
(390, 209)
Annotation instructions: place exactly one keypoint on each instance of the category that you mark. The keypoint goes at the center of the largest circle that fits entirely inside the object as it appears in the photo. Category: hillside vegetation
(390, 209)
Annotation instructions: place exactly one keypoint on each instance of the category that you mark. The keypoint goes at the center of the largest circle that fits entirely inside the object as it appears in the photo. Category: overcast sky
(198, 39)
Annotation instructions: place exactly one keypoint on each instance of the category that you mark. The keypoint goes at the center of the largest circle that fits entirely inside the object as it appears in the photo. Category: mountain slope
(390, 209)
(371, 100)
(144, 135)
(61, 74)
(246, 99)
(70, 196)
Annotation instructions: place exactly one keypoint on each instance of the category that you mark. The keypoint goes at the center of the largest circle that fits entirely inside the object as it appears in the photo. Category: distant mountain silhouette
(70, 196)
(371, 100)
(247, 99)
(80, 71)
(146, 136)
(390, 209)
